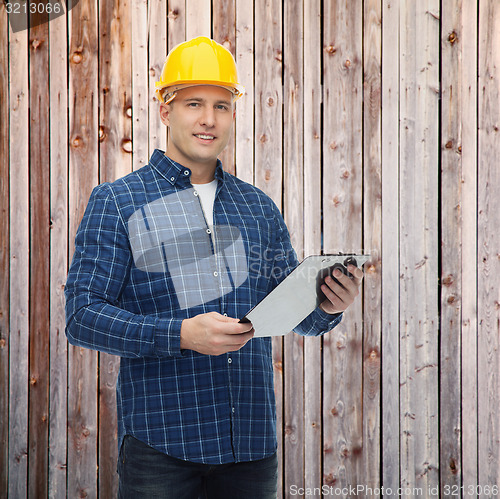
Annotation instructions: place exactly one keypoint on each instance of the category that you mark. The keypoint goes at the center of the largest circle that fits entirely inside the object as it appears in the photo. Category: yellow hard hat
(200, 61)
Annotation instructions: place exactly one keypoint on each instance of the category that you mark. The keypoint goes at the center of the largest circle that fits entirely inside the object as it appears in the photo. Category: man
(167, 259)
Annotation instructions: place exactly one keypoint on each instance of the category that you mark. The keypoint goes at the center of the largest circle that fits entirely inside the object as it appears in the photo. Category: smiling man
(167, 259)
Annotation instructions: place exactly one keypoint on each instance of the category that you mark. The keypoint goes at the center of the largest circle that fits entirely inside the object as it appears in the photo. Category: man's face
(200, 122)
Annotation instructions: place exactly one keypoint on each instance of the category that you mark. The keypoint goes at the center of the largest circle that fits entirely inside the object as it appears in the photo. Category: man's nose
(208, 116)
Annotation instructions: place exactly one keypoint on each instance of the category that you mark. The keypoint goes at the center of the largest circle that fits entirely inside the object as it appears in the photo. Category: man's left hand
(340, 296)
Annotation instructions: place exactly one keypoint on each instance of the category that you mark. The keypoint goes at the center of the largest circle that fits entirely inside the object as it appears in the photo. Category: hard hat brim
(236, 89)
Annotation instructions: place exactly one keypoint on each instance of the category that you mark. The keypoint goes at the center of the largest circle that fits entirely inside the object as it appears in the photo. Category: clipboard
(289, 303)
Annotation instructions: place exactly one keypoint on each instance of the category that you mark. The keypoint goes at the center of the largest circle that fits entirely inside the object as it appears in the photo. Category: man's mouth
(204, 136)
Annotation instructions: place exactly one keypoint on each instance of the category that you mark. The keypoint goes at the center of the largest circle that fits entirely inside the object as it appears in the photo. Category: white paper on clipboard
(287, 305)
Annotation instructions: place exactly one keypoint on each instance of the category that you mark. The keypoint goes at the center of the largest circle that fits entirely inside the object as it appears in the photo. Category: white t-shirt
(206, 192)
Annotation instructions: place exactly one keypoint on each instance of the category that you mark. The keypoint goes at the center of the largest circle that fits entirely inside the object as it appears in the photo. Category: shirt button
(186, 172)
(209, 231)
(195, 193)
(232, 410)
(216, 274)
(225, 315)
(230, 360)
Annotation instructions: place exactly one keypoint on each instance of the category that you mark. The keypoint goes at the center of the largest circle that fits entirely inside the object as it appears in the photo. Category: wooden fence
(374, 125)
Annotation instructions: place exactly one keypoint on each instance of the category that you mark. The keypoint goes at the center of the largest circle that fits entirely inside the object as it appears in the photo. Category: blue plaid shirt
(144, 260)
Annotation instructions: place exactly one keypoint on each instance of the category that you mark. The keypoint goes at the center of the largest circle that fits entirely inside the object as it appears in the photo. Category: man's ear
(165, 113)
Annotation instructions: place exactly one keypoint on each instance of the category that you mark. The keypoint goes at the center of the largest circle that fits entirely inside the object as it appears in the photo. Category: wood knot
(173, 14)
(452, 37)
(102, 133)
(347, 63)
(127, 145)
(2, 343)
(329, 479)
(346, 174)
(77, 141)
(449, 144)
(334, 411)
(270, 101)
(267, 176)
(35, 43)
(128, 111)
(263, 138)
(451, 299)
(33, 380)
(453, 466)
(341, 343)
(330, 49)
(336, 201)
(77, 57)
(278, 366)
(448, 280)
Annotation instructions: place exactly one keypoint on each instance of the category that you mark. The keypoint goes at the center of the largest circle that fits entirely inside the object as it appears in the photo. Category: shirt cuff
(318, 322)
(168, 337)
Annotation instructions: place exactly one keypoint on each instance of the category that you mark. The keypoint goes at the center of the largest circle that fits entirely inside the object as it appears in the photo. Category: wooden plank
(390, 243)
(451, 247)
(176, 22)
(244, 125)
(293, 203)
(4, 248)
(224, 32)
(115, 161)
(488, 246)
(157, 17)
(342, 219)
(176, 26)
(198, 18)
(19, 263)
(58, 257)
(140, 90)
(83, 176)
(419, 248)
(312, 236)
(468, 93)
(268, 150)
(372, 221)
(39, 186)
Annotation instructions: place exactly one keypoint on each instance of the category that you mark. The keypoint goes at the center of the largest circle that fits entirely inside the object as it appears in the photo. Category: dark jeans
(146, 473)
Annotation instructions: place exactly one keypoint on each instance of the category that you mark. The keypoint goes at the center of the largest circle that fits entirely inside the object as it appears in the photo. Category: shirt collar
(173, 171)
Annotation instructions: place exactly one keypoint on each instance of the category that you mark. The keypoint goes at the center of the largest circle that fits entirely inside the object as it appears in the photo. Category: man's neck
(200, 173)
(202, 176)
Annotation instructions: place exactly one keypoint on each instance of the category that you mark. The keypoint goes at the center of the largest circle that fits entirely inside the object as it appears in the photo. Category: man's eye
(193, 104)
(222, 107)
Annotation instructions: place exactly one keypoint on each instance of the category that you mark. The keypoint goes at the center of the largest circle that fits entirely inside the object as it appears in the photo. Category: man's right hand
(214, 334)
